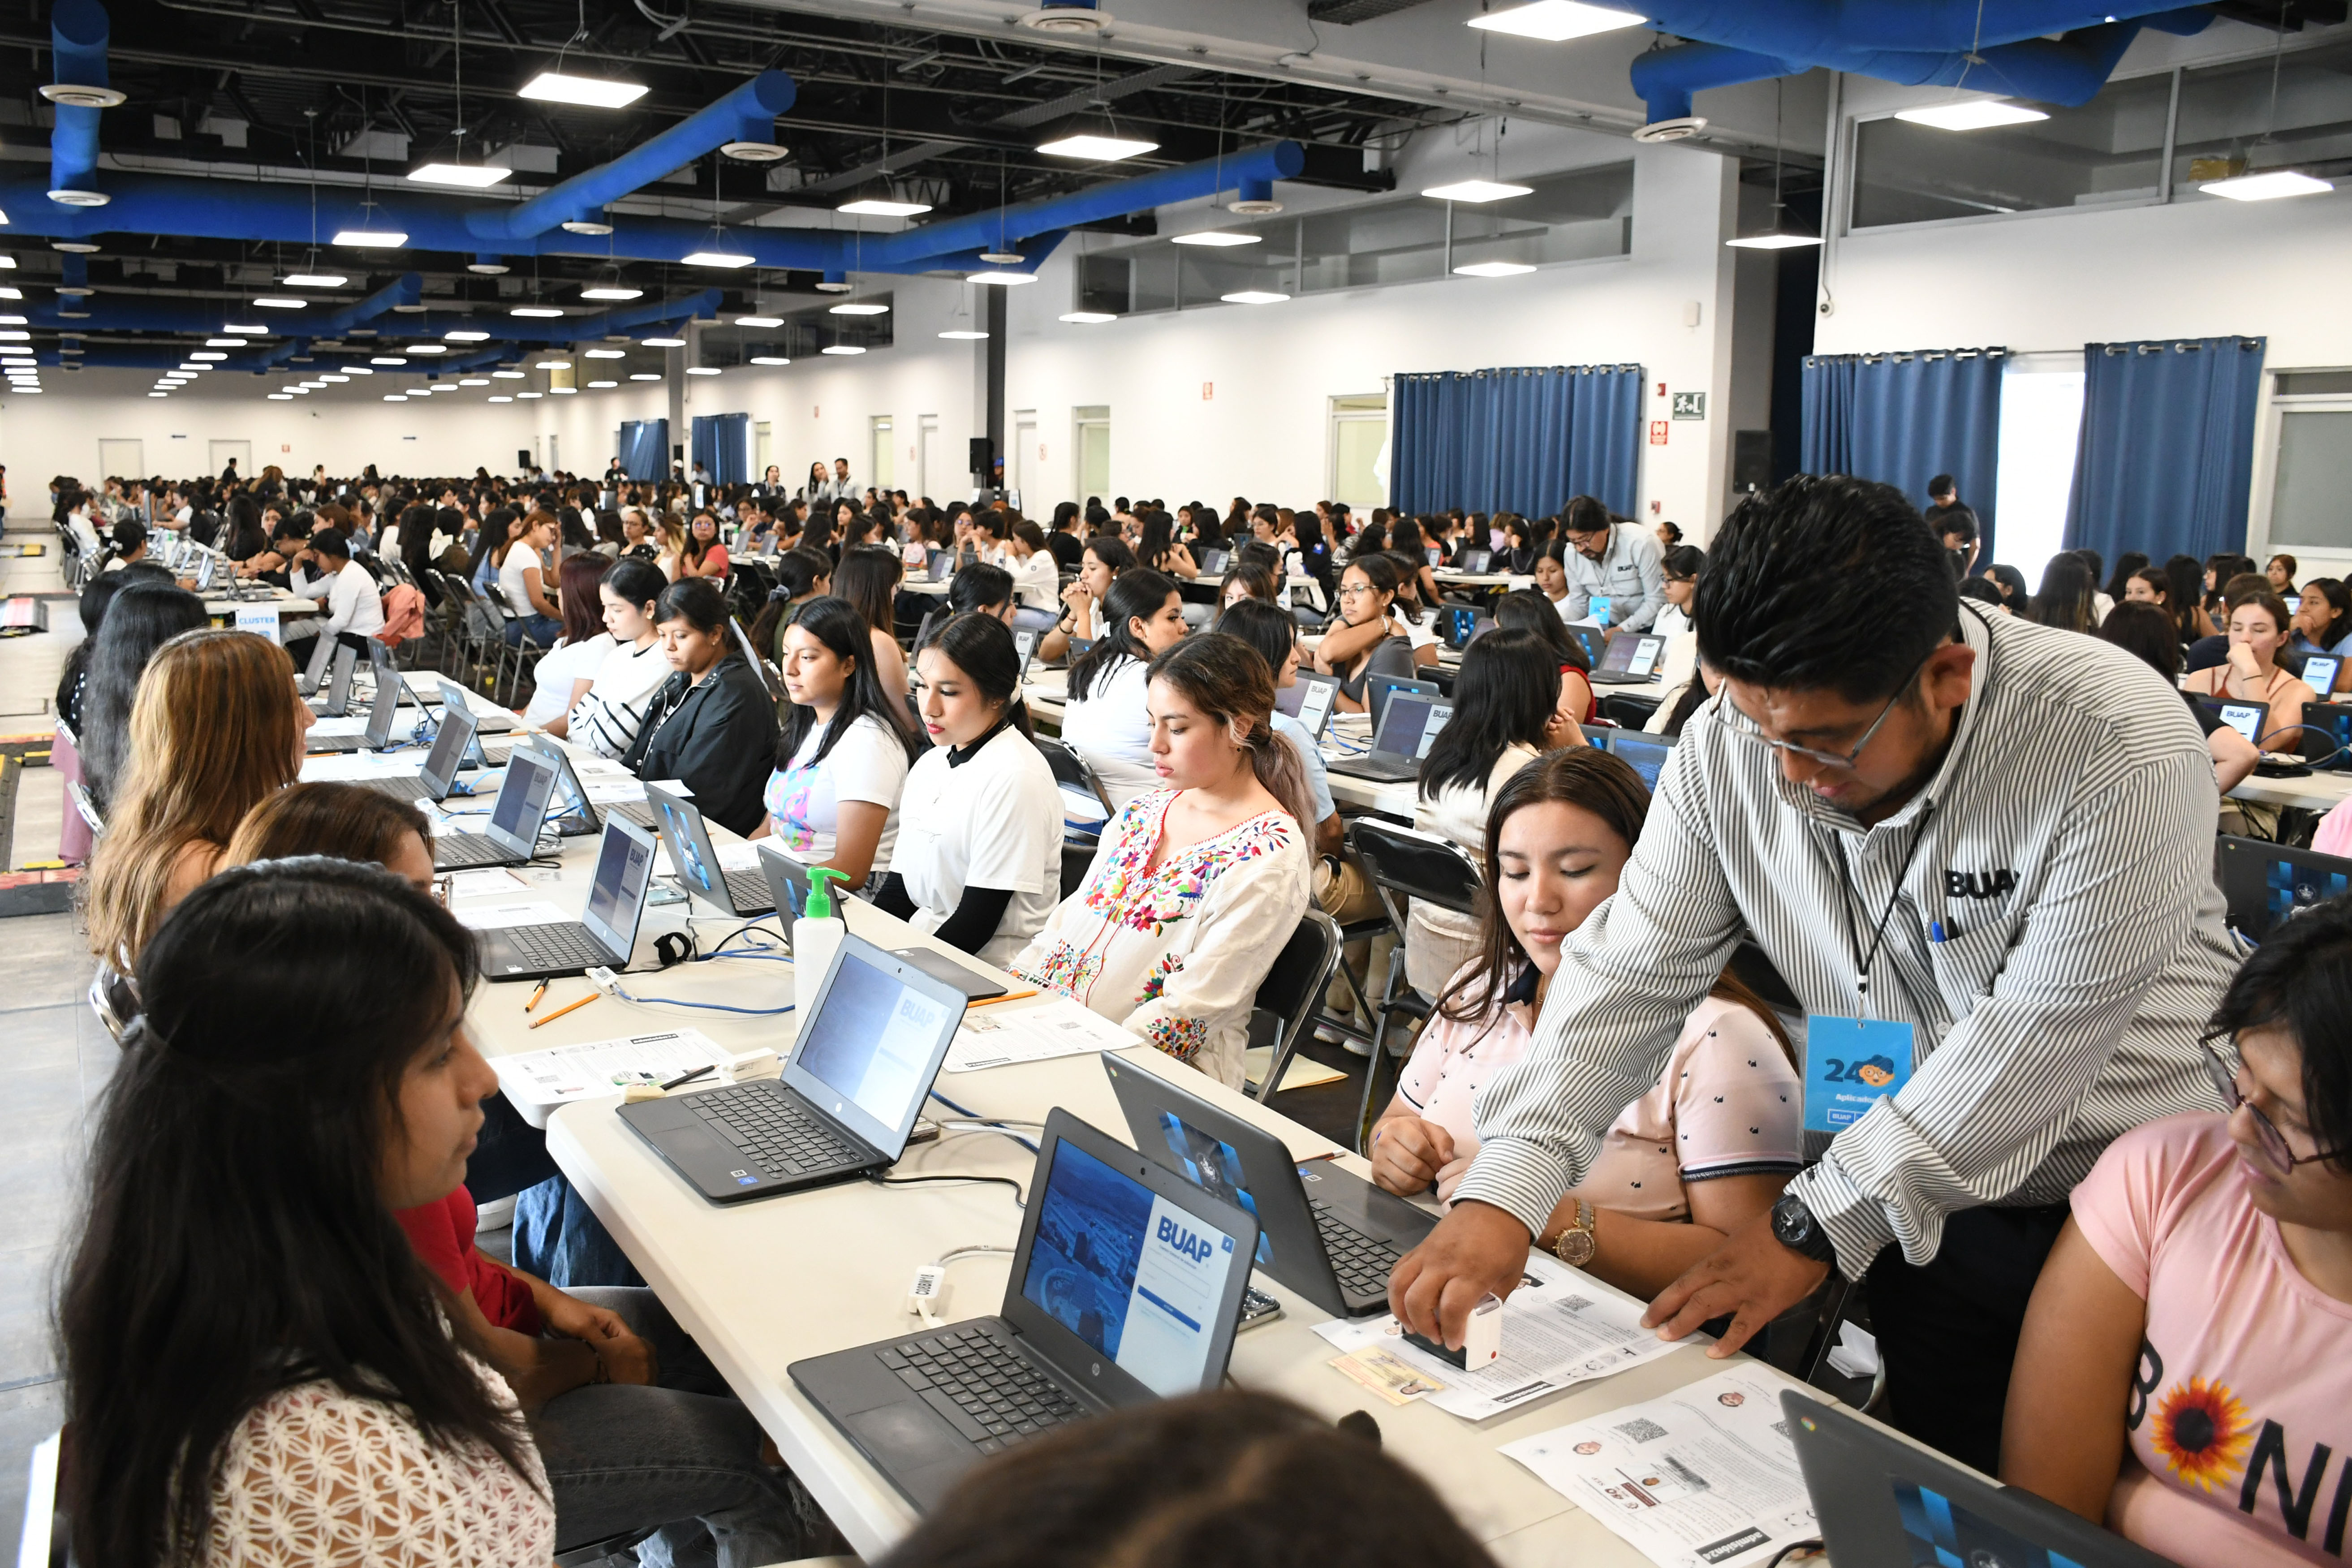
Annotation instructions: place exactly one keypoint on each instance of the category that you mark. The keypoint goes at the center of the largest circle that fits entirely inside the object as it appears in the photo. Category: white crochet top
(317, 1478)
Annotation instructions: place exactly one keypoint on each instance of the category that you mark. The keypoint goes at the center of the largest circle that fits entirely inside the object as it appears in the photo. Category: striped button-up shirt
(2066, 847)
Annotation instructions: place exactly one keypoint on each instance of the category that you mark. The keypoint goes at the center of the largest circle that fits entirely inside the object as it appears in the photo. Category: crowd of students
(327, 1156)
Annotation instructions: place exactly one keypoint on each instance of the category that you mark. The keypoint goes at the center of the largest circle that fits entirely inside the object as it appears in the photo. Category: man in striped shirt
(1996, 836)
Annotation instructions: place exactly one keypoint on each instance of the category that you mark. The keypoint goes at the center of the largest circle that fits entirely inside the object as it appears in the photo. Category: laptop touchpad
(911, 1433)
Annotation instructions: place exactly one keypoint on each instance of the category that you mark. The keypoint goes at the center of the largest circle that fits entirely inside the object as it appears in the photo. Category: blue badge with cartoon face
(1850, 1064)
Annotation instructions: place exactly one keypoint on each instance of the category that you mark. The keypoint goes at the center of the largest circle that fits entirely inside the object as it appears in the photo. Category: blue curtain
(644, 448)
(1523, 439)
(722, 443)
(1903, 418)
(2167, 456)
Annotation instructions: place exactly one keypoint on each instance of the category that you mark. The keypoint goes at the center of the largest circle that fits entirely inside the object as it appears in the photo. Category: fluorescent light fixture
(1089, 317)
(1217, 236)
(30, 391)
(506, 375)
(501, 399)
(2267, 186)
(611, 291)
(209, 342)
(835, 349)
(465, 335)
(7, 262)
(372, 239)
(387, 359)
(235, 327)
(1007, 278)
(359, 369)
(207, 354)
(301, 391)
(1556, 21)
(159, 394)
(665, 342)
(529, 395)
(1477, 191)
(475, 381)
(1254, 297)
(275, 302)
(315, 281)
(395, 397)
(11, 293)
(1972, 114)
(882, 206)
(552, 365)
(608, 353)
(426, 349)
(564, 391)
(1096, 147)
(756, 359)
(709, 369)
(765, 321)
(545, 311)
(857, 308)
(334, 378)
(588, 91)
(1774, 239)
(718, 258)
(1492, 269)
(281, 397)
(473, 176)
(194, 369)
(965, 335)
(645, 376)
(594, 385)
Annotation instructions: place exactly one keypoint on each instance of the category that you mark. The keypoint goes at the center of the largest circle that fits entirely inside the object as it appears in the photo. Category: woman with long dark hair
(867, 579)
(802, 575)
(706, 553)
(490, 540)
(416, 528)
(1106, 719)
(1368, 620)
(1162, 551)
(713, 723)
(2323, 617)
(140, 620)
(1099, 564)
(1198, 882)
(842, 751)
(565, 673)
(2128, 566)
(2065, 600)
(1527, 610)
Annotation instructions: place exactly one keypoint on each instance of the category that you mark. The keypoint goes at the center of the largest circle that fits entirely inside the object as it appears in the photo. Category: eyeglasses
(1748, 728)
(2281, 1155)
(1354, 590)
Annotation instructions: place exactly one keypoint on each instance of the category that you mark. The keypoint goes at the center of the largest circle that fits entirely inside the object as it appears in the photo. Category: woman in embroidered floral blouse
(1197, 884)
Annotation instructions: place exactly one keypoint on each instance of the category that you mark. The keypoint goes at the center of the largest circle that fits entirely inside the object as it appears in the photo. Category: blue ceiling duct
(78, 36)
(2002, 46)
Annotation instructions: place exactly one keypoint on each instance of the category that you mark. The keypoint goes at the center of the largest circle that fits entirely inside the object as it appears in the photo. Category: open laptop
(382, 711)
(512, 835)
(1407, 730)
(1378, 689)
(1459, 625)
(1126, 1286)
(1634, 659)
(338, 699)
(1593, 640)
(943, 565)
(607, 933)
(1475, 563)
(1309, 699)
(2328, 735)
(1326, 1233)
(2319, 671)
(1024, 643)
(1645, 752)
(1212, 562)
(696, 859)
(873, 1031)
(2248, 719)
(2264, 883)
(573, 814)
(490, 723)
(1878, 1499)
(438, 777)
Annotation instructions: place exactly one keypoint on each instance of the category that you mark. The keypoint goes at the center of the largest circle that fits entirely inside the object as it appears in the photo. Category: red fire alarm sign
(1658, 428)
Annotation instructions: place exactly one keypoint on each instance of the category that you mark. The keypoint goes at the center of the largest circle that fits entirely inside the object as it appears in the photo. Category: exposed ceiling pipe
(77, 35)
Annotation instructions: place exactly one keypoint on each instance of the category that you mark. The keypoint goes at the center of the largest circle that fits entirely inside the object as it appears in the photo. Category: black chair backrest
(1302, 969)
(1405, 865)
(1393, 656)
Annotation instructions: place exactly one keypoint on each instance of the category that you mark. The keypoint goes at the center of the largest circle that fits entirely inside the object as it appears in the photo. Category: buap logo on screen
(1195, 1247)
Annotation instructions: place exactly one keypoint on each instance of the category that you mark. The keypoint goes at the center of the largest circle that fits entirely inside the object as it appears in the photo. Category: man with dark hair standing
(1954, 522)
(1976, 849)
(1619, 561)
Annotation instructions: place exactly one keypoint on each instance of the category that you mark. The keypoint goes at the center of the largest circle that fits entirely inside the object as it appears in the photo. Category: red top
(443, 1234)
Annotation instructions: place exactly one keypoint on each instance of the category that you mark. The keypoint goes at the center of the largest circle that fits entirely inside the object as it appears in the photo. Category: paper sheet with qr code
(1704, 1477)
(1560, 1328)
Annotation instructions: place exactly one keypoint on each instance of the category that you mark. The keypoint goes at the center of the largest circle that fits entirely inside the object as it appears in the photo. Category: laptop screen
(1633, 654)
(1315, 701)
(456, 732)
(625, 865)
(2319, 673)
(1129, 1273)
(1215, 1166)
(871, 1039)
(1411, 726)
(2245, 718)
(1646, 753)
(2266, 883)
(689, 846)
(516, 815)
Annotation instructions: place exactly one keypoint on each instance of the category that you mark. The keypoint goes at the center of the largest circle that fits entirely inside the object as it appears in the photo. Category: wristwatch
(1794, 1227)
(1575, 1245)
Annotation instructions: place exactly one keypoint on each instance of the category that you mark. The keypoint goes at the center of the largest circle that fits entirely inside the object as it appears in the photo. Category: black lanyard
(1863, 961)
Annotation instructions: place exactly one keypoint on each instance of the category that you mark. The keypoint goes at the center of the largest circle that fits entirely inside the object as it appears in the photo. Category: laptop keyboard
(461, 850)
(773, 1134)
(748, 890)
(412, 787)
(566, 946)
(1363, 1263)
(635, 811)
(980, 1384)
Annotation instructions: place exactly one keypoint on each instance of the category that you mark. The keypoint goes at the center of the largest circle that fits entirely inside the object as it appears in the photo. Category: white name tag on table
(998, 1036)
(261, 620)
(538, 1081)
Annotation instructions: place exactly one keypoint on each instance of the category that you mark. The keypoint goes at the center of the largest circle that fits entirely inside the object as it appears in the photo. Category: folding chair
(88, 809)
(1406, 865)
(523, 645)
(1292, 989)
(1073, 777)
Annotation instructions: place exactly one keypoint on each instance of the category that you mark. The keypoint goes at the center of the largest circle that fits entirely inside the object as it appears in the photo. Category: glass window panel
(2225, 114)
(2109, 150)
(2314, 473)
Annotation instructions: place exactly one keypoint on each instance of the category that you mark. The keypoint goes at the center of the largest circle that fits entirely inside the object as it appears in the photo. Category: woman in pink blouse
(1707, 1150)
(1198, 884)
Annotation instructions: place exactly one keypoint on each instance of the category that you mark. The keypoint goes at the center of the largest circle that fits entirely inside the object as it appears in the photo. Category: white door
(763, 444)
(553, 462)
(222, 451)
(883, 468)
(1093, 451)
(927, 439)
(1025, 476)
(124, 461)
(1360, 426)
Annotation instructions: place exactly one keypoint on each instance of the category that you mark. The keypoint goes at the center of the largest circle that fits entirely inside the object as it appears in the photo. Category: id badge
(1850, 1065)
(1600, 603)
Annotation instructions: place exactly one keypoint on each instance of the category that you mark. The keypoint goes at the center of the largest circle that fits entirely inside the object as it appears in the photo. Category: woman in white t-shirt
(566, 672)
(842, 754)
(608, 716)
(526, 591)
(979, 858)
(1036, 581)
(1104, 720)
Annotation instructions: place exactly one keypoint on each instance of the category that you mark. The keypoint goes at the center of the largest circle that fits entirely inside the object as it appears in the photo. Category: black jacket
(719, 737)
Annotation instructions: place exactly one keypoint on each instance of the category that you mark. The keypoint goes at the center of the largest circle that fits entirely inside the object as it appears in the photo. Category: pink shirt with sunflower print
(2240, 1426)
(1176, 953)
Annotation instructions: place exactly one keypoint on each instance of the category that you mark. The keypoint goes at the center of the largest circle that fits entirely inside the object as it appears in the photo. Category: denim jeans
(683, 1456)
(543, 630)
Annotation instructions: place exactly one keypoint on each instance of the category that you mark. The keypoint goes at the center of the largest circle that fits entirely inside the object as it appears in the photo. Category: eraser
(637, 1091)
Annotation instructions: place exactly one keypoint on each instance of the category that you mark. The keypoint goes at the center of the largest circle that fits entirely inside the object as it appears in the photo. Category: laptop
(696, 859)
(1878, 1499)
(1475, 563)
(1024, 643)
(438, 775)
(1458, 625)
(573, 814)
(512, 835)
(943, 565)
(1034, 618)
(873, 1032)
(382, 711)
(1634, 659)
(2248, 719)
(1212, 562)
(607, 933)
(1407, 730)
(1645, 752)
(1593, 641)
(2264, 883)
(1378, 689)
(1309, 699)
(490, 723)
(1126, 1286)
(1327, 1234)
(2319, 673)
(2327, 735)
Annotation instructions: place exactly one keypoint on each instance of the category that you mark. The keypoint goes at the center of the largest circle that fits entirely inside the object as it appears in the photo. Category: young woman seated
(868, 580)
(980, 589)
(1163, 552)
(1248, 579)
(978, 861)
(1410, 546)
(1082, 614)
(1106, 719)
(2258, 630)
(142, 617)
(2323, 621)
(705, 555)
(217, 729)
(1681, 566)
(2181, 1374)
(534, 609)
(608, 715)
(1198, 883)
(712, 725)
(1036, 581)
(1705, 1151)
(801, 576)
(1506, 715)
(1368, 618)
(843, 752)
(1525, 610)
(566, 672)
(2147, 630)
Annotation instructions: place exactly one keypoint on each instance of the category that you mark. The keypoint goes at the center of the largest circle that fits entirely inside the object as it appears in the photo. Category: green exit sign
(1690, 404)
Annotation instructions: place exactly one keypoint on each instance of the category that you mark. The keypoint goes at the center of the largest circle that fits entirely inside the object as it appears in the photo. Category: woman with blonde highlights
(216, 728)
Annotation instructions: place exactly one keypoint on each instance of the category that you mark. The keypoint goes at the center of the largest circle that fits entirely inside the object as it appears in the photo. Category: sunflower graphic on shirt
(2202, 1431)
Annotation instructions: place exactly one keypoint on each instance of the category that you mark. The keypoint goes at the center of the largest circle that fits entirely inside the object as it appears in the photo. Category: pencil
(535, 997)
(567, 1007)
(992, 1001)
